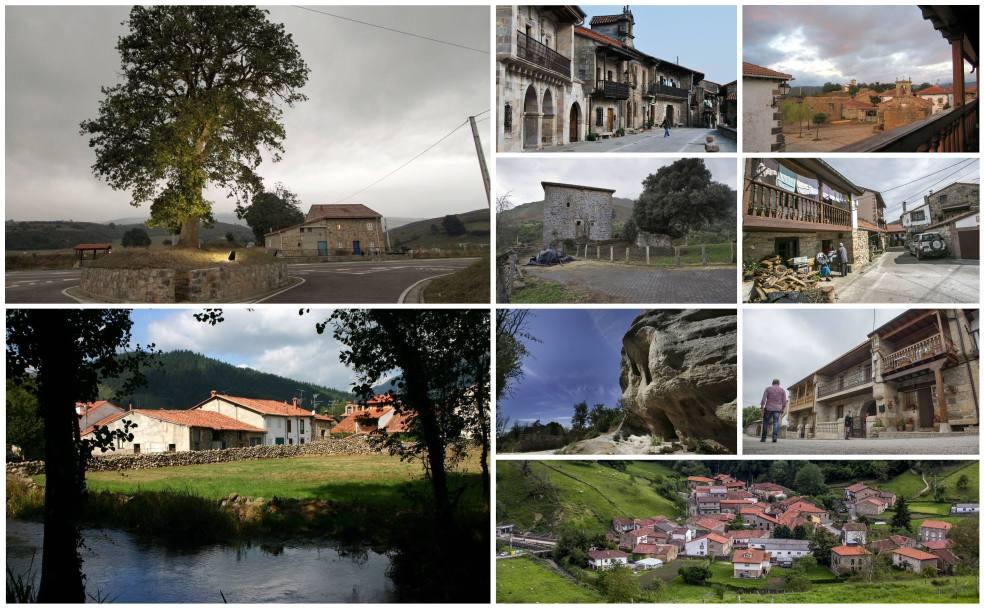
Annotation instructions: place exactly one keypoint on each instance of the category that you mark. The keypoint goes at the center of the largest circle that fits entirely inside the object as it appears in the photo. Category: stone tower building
(580, 213)
(902, 108)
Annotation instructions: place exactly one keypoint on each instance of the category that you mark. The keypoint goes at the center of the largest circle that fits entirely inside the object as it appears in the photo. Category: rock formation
(679, 377)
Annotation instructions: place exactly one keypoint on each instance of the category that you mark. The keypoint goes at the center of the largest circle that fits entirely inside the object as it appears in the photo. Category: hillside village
(223, 421)
(765, 532)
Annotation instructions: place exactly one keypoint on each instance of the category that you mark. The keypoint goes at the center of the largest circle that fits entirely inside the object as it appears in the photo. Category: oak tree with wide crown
(202, 96)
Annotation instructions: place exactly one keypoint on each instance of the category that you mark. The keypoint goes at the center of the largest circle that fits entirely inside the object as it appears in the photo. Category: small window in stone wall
(507, 118)
(599, 117)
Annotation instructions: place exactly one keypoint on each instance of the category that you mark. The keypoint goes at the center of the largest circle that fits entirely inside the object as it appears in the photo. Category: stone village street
(323, 282)
(953, 444)
(680, 140)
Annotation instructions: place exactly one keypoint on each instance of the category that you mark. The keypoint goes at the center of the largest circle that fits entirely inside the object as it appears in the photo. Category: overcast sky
(789, 344)
(565, 367)
(375, 99)
(817, 44)
(926, 173)
(704, 38)
(272, 339)
(522, 176)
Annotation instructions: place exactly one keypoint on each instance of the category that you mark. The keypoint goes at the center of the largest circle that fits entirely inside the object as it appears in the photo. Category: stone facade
(756, 245)
(903, 107)
(227, 283)
(953, 200)
(341, 230)
(154, 286)
(761, 115)
(579, 213)
(232, 283)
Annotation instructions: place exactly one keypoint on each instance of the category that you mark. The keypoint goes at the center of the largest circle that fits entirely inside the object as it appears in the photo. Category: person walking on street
(823, 264)
(848, 421)
(842, 258)
(666, 126)
(773, 407)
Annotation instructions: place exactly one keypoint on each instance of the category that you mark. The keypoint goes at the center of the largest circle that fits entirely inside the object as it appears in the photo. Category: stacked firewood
(773, 277)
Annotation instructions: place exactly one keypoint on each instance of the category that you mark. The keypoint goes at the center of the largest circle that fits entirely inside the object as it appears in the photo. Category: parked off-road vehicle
(927, 245)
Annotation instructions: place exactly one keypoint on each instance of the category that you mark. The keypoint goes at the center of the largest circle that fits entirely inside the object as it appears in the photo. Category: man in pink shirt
(773, 407)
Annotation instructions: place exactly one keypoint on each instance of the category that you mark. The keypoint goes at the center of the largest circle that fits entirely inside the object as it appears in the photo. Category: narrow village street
(898, 277)
(954, 444)
(680, 140)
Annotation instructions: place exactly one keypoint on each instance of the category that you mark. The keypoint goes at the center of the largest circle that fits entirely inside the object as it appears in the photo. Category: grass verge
(181, 259)
(467, 286)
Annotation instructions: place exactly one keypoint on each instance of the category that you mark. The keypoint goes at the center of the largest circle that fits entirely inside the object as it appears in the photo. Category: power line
(390, 29)
(970, 162)
(415, 157)
(923, 177)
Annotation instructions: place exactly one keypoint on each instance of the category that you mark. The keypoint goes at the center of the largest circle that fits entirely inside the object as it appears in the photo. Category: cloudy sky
(818, 44)
(375, 99)
(577, 358)
(704, 38)
(522, 176)
(272, 339)
(889, 174)
(788, 343)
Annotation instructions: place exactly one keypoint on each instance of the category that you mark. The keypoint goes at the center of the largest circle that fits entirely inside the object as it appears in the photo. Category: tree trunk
(61, 565)
(189, 233)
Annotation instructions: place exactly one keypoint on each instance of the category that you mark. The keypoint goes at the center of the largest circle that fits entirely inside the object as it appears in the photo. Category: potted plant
(909, 424)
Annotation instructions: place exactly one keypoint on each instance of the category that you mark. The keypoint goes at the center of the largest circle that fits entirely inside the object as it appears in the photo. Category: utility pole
(481, 160)
(387, 233)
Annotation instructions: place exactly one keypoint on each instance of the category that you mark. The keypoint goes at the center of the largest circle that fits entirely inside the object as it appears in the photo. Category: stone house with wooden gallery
(540, 102)
(338, 229)
(797, 207)
(762, 93)
(918, 373)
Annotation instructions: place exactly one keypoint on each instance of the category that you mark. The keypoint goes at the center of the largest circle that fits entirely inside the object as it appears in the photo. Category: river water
(122, 568)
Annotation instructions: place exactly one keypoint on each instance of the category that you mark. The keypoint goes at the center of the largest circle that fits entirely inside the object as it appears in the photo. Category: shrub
(136, 237)
(592, 137)
(695, 575)
(620, 132)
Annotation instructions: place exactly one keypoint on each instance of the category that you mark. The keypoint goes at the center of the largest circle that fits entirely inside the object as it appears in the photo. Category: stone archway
(574, 123)
(548, 118)
(531, 120)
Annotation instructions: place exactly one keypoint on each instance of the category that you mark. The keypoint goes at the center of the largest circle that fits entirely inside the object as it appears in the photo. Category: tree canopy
(200, 99)
(136, 237)
(271, 211)
(681, 197)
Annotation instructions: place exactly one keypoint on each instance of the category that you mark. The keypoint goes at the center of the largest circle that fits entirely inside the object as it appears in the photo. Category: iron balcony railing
(953, 130)
(666, 90)
(856, 378)
(769, 201)
(536, 52)
(924, 350)
(612, 89)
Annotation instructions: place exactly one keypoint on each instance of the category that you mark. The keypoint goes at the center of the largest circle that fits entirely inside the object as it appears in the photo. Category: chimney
(903, 206)
(295, 401)
(130, 407)
(214, 392)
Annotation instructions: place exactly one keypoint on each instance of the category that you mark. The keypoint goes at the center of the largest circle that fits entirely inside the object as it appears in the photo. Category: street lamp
(783, 89)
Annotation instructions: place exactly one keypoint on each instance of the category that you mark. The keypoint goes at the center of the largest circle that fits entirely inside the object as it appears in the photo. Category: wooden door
(611, 119)
(924, 397)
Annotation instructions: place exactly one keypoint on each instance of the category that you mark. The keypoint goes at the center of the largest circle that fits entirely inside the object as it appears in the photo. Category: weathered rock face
(679, 376)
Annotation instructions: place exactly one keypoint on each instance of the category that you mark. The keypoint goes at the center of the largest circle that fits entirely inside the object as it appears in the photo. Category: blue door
(356, 249)
(322, 247)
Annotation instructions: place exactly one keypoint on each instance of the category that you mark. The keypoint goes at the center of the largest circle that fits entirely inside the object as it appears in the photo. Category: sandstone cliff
(679, 377)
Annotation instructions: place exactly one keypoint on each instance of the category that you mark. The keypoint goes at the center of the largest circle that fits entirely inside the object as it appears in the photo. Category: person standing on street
(848, 422)
(666, 126)
(773, 407)
(842, 258)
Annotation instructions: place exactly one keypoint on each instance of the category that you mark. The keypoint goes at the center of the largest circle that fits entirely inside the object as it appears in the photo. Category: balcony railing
(924, 350)
(668, 91)
(771, 202)
(531, 50)
(801, 403)
(612, 89)
(950, 131)
(856, 378)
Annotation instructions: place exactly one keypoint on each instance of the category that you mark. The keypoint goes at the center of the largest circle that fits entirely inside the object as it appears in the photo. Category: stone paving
(645, 285)
(968, 444)
(680, 140)
(898, 277)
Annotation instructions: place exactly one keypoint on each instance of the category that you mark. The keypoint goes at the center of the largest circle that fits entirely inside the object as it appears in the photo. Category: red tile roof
(935, 524)
(934, 90)
(856, 487)
(757, 71)
(936, 544)
(733, 534)
(607, 19)
(723, 540)
(190, 418)
(914, 554)
(699, 479)
(267, 407)
(348, 424)
(749, 556)
(583, 31)
(606, 554)
(341, 212)
(849, 550)
(92, 246)
(648, 549)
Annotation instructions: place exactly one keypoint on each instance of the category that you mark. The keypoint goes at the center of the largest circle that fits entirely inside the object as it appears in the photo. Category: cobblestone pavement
(644, 285)
(968, 444)
(680, 140)
(897, 277)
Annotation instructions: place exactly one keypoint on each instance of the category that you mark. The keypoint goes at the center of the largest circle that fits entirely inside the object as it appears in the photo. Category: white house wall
(152, 435)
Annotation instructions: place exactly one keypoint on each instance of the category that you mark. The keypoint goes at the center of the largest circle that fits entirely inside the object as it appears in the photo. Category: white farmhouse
(750, 563)
(782, 550)
(283, 423)
(603, 559)
(179, 431)
(762, 93)
(854, 533)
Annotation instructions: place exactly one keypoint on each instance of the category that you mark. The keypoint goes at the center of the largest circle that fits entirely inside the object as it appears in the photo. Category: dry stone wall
(226, 283)
(354, 445)
(154, 285)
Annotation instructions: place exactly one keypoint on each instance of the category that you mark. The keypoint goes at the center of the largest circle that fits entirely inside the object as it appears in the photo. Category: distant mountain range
(57, 234)
(184, 378)
(430, 232)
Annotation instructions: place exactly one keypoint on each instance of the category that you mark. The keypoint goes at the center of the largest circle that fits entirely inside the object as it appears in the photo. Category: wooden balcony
(801, 403)
(770, 207)
(953, 130)
(665, 90)
(923, 351)
(612, 89)
(858, 377)
(536, 52)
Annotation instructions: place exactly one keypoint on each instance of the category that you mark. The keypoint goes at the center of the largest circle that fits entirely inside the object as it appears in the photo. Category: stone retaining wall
(226, 283)
(355, 445)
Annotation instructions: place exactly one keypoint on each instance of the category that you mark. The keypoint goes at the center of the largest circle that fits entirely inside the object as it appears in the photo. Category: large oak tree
(681, 197)
(202, 95)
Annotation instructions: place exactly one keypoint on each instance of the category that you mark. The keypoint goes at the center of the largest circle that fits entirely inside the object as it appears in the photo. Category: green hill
(549, 495)
(185, 378)
(431, 234)
(47, 235)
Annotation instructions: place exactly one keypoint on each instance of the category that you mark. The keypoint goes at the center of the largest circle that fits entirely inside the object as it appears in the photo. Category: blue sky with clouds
(704, 38)
(577, 358)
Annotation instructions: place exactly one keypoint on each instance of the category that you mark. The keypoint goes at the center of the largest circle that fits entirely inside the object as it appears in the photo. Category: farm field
(522, 580)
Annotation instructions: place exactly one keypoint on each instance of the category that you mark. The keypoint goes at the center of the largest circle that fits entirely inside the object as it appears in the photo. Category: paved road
(40, 286)
(645, 285)
(680, 140)
(897, 277)
(968, 444)
(324, 283)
